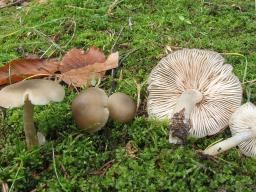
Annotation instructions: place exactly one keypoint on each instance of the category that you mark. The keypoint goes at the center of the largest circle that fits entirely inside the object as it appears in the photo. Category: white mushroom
(196, 90)
(30, 93)
(243, 128)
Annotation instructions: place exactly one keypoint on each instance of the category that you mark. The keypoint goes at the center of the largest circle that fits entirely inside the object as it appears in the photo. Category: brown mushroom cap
(38, 91)
(242, 120)
(90, 118)
(121, 107)
(90, 109)
(199, 70)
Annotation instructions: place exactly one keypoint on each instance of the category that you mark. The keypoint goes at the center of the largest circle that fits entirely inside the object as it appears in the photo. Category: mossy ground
(73, 160)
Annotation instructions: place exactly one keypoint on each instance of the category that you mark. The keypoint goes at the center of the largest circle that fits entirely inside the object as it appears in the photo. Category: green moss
(226, 27)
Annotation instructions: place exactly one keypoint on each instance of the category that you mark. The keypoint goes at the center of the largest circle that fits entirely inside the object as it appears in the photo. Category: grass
(76, 161)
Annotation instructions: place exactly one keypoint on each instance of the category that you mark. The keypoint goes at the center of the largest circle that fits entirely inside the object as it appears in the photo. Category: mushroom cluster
(28, 93)
(92, 108)
(196, 91)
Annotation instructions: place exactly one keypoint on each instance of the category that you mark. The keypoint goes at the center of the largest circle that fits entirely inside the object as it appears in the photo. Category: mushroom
(121, 107)
(243, 128)
(196, 90)
(30, 93)
(90, 109)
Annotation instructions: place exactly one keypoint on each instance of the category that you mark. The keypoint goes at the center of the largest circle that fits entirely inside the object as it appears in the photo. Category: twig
(101, 171)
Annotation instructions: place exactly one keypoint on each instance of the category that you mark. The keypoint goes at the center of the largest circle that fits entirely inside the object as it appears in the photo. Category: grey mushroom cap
(121, 107)
(201, 70)
(90, 110)
(38, 91)
(244, 119)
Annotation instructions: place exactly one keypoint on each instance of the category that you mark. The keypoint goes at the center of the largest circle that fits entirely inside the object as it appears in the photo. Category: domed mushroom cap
(92, 96)
(89, 109)
(244, 119)
(90, 118)
(121, 107)
(38, 91)
(201, 70)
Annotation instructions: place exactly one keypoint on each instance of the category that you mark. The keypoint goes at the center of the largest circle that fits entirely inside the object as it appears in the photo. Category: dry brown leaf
(81, 76)
(20, 69)
(77, 58)
(131, 149)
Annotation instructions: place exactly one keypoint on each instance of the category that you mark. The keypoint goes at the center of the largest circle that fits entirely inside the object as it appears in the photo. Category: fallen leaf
(79, 77)
(131, 149)
(77, 58)
(20, 69)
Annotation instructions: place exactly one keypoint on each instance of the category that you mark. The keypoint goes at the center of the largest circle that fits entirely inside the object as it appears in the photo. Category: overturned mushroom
(121, 107)
(30, 93)
(90, 109)
(196, 90)
(243, 128)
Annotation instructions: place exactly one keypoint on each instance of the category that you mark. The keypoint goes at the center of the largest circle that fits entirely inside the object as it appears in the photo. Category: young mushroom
(121, 107)
(243, 128)
(196, 90)
(29, 93)
(90, 110)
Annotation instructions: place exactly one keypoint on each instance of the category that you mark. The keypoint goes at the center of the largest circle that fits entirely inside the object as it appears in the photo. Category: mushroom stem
(29, 127)
(183, 108)
(187, 101)
(229, 143)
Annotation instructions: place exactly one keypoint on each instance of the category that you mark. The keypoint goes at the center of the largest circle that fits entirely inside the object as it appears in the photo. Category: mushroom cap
(90, 118)
(244, 119)
(121, 107)
(92, 96)
(90, 109)
(203, 71)
(38, 91)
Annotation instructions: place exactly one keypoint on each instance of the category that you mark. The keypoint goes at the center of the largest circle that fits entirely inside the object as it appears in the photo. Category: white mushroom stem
(29, 127)
(187, 101)
(229, 143)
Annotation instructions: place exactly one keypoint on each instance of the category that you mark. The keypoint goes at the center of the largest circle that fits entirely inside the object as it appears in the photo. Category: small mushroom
(30, 93)
(121, 107)
(90, 110)
(196, 91)
(243, 128)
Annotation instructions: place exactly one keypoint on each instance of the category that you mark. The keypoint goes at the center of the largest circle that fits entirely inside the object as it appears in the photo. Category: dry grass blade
(5, 187)
(102, 171)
